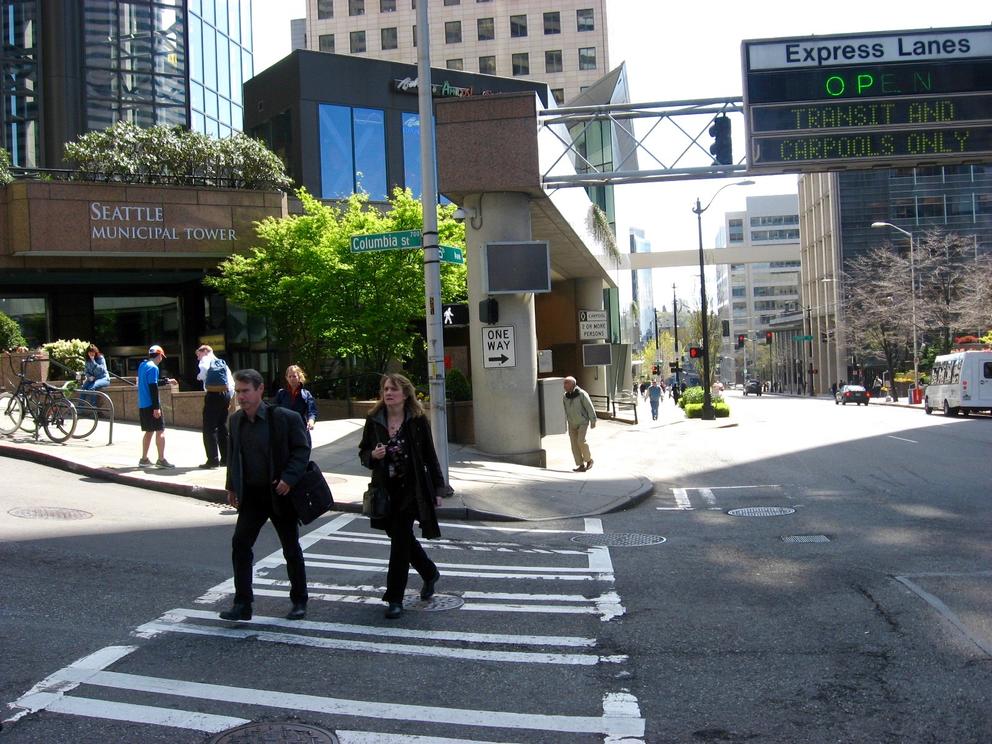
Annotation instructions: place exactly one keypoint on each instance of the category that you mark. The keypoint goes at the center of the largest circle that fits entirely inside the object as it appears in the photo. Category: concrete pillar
(589, 296)
(505, 405)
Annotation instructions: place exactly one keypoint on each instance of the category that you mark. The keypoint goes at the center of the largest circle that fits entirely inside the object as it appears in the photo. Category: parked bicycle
(35, 405)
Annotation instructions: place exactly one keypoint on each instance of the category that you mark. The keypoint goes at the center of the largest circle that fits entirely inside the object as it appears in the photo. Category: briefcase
(311, 496)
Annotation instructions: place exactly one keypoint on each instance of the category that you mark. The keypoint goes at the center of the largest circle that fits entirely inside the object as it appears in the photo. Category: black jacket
(428, 480)
(289, 449)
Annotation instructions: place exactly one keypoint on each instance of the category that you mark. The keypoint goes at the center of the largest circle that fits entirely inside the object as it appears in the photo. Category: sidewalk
(485, 487)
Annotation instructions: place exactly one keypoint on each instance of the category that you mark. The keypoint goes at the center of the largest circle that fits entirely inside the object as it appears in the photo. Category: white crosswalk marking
(683, 502)
(336, 552)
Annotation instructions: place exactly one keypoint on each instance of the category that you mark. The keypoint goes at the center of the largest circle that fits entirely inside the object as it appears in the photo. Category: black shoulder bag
(375, 501)
(310, 495)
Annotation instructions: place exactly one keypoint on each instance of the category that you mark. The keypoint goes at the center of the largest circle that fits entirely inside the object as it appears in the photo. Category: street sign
(497, 347)
(454, 315)
(451, 254)
(592, 325)
(390, 241)
(802, 338)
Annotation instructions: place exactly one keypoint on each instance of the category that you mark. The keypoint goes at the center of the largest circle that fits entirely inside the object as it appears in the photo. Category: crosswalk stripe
(153, 715)
(599, 562)
(490, 574)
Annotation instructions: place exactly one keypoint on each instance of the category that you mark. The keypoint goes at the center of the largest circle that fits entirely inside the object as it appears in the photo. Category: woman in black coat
(397, 447)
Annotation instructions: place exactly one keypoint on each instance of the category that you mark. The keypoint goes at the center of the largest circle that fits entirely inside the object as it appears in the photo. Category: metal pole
(432, 258)
(675, 322)
(707, 413)
(809, 347)
(912, 282)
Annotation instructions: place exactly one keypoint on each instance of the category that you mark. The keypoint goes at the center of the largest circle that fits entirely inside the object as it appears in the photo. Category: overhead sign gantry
(862, 100)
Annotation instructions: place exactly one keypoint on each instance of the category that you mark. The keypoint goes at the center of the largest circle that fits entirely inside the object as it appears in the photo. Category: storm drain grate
(437, 603)
(806, 539)
(761, 511)
(276, 733)
(49, 512)
(619, 539)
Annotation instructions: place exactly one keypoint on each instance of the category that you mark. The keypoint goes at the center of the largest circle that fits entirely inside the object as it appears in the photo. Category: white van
(960, 382)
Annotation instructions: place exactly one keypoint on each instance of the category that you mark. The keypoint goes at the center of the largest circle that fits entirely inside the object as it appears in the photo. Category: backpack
(216, 374)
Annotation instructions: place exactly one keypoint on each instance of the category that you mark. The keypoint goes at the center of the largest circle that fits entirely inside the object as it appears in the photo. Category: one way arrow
(502, 359)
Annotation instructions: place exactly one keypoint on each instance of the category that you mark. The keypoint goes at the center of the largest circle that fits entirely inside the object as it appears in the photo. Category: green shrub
(695, 410)
(457, 386)
(71, 353)
(10, 332)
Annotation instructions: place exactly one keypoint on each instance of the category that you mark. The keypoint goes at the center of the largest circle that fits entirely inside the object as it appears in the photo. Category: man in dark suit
(268, 453)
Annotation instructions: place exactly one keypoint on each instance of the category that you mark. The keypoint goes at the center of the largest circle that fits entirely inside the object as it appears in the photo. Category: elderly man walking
(581, 416)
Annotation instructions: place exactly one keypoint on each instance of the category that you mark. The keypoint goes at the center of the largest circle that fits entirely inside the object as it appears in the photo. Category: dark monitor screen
(597, 355)
(513, 268)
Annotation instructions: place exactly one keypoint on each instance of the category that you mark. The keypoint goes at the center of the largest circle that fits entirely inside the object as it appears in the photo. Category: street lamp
(912, 283)
(707, 413)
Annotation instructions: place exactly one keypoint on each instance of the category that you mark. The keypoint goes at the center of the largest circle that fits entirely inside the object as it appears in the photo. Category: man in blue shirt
(149, 408)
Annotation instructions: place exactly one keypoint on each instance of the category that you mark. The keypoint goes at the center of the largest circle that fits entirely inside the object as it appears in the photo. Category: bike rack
(78, 395)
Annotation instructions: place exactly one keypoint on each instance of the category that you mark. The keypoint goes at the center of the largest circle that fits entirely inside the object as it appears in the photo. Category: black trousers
(404, 551)
(215, 407)
(254, 511)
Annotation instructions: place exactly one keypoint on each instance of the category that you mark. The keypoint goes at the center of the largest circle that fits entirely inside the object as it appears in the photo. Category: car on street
(752, 386)
(852, 394)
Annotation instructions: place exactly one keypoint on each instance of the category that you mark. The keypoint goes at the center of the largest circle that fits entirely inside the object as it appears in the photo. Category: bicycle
(37, 405)
(87, 417)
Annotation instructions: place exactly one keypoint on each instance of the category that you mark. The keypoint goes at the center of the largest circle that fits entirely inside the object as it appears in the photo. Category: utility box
(549, 394)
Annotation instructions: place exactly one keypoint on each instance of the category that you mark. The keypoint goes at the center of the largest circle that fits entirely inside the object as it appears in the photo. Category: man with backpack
(218, 386)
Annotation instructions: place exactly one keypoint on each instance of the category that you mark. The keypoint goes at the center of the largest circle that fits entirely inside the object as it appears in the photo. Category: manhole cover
(276, 733)
(49, 512)
(761, 511)
(437, 603)
(619, 539)
(806, 539)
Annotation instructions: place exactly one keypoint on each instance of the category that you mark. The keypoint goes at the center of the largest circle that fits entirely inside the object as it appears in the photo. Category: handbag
(311, 496)
(375, 502)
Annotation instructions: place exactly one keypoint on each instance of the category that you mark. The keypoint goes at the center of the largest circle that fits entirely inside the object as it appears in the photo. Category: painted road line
(405, 649)
(901, 439)
(148, 714)
(709, 498)
(946, 612)
(619, 718)
(681, 499)
(179, 615)
(473, 546)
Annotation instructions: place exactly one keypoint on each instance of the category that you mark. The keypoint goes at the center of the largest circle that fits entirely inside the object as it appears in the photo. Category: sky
(675, 51)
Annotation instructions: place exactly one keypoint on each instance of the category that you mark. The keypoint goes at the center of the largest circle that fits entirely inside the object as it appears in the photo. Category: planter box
(10, 367)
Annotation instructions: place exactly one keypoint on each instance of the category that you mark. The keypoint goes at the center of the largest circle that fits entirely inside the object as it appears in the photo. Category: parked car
(752, 386)
(852, 394)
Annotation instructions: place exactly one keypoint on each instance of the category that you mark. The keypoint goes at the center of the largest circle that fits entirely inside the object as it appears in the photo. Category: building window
(452, 2)
(387, 6)
(352, 152)
(518, 26)
(735, 231)
(587, 58)
(552, 23)
(487, 65)
(486, 28)
(389, 38)
(356, 7)
(357, 42)
(453, 32)
(455, 64)
(325, 43)
(520, 63)
(552, 60)
(559, 95)
(325, 9)
(585, 20)
(414, 34)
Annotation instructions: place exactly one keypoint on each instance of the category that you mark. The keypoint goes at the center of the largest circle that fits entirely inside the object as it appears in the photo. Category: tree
(694, 324)
(324, 301)
(10, 333)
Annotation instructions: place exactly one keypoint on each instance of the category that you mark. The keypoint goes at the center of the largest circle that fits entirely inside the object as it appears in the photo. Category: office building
(563, 44)
(73, 67)
(642, 294)
(836, 213)
(757, 297)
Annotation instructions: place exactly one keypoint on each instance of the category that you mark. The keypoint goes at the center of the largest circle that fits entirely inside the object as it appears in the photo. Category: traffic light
(740, 340)
(768, 337)
(725, 328)
(722, 148)
(695, 352)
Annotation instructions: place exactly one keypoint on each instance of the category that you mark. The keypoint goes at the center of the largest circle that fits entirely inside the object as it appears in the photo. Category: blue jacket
(304, 403)
(96, 367)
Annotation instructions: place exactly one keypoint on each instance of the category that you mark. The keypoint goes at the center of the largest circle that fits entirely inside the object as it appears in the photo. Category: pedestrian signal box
(695, 352)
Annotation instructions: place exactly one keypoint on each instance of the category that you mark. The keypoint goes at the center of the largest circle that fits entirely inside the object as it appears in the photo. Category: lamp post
(912, 285)
(707, 413)
(675, 324)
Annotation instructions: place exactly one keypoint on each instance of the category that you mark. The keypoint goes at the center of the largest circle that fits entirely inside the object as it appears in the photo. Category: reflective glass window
(325, 43)
(325, 9)
(455, 64)
(336, 172)
(356, 7)
(387, 6)
(587, 58)
(195, 50)
(453, 32)
(357, 42)
(585, 19)
(412, 174)
(223, 68)
(235, 72)
(220, 15)
(486, 28)
(520, 63)
(389, 38)
(370, 152)
(518, 26)
(487, 65)
(553, 60)
(234, 20)
(552, 23)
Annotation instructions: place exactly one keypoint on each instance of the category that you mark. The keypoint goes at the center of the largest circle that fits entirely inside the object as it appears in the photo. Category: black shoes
(589, 465)
(580, 469)
(209, 465)
(298, 612)
(428, 589)
(238, 611)
(394, 610)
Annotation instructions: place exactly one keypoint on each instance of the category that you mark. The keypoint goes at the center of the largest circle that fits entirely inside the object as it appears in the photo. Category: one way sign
(497, 347)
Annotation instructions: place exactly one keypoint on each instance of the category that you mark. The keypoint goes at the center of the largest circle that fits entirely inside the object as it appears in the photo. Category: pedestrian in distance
(297, 398)
(150, 408)
(268, 452)
(218, 387)
(95, 374)
(581, 416)
(397, 447)
(654, 394)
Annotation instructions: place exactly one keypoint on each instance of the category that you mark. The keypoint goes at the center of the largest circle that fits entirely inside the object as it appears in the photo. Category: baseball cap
(155, 350)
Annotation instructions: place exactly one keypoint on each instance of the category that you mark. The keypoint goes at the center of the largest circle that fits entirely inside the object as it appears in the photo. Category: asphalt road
(880, 631)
